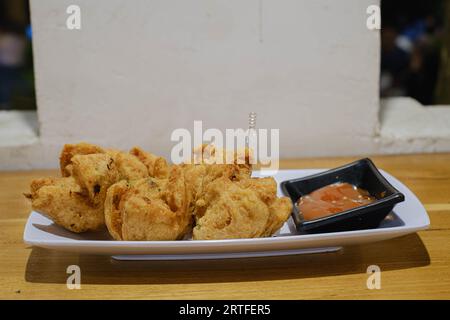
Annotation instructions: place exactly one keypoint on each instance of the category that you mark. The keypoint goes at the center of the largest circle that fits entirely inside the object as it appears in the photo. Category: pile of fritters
(139, 196)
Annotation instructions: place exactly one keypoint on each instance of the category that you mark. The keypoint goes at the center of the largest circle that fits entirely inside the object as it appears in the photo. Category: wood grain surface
(416, 266)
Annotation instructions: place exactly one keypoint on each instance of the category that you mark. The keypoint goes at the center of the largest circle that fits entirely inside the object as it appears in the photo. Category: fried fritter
(247, 208)
(70, 150)
(231, 212)
(113, 216)
(194, 176)
(63, 201)
(130, 167)
(199, 176)
(149, 209)
(266, 188)
(88, 172)
(209, 154)
(157, 166)
(141, 197)
(280, 210)
(209, 165)
(95, 173)
(129, 164)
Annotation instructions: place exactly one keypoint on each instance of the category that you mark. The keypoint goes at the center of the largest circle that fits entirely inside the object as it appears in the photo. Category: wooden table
(413, 266)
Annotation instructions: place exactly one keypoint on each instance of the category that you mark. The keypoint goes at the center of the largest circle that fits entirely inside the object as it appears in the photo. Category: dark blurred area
(16, 60)
(413, 48)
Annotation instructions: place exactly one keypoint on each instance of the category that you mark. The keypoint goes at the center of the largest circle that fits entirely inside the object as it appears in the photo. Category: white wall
(139, 69)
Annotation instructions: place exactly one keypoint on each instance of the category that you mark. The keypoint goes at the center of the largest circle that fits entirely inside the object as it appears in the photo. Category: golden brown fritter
(113, 216)
(90, 170)
(95, 173)
(129, 164)
(247, 208)
(280, 210)
(266, 188)
(157, 166)
(199, 176)
(70, 150)
(231, 212)
(210, 154)
(194, 176)
(130, 167)
(149, 209)
(62, 200)
(205, 170)
(140, 197)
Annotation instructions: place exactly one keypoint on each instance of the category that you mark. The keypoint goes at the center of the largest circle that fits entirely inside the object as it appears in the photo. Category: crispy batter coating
(209, 164)
(63, 201)
(247, 208)
(194, 176)
(113, 216)
(130, 167)
(157, 166)
(231, 212)
(141, 197)
(95, 173)
(199, 176)
(280, 210)
(89, 171)
(149, 209)
(70, 150)
(266, 188)
(209, 154)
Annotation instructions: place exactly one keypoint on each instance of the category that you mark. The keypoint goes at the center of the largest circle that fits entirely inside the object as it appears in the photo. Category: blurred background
(16, 62)
(415, 53)
(415, 47)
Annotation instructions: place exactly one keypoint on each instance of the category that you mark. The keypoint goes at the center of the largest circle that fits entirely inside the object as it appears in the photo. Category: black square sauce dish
(362, 174)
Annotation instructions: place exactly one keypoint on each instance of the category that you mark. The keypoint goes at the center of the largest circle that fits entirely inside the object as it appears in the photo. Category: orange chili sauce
(331, 199)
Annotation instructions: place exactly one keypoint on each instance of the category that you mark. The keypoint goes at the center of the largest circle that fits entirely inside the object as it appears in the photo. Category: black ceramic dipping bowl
(361, 173)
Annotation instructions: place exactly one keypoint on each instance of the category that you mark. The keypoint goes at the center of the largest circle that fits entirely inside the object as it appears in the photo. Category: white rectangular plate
(407, 217)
